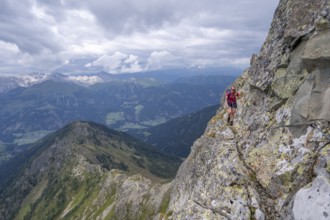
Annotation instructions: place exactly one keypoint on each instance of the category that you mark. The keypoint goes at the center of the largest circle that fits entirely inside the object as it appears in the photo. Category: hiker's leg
(229, 114)
(233, 112)
(229, 110)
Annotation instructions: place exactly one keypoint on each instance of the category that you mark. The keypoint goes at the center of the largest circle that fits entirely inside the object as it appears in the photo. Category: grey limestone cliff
(274, 163)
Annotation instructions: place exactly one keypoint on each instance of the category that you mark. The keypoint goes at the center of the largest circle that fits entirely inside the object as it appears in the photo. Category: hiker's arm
(240, 97)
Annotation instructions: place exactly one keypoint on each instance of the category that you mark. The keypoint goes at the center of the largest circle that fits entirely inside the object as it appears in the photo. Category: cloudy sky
(120, 36)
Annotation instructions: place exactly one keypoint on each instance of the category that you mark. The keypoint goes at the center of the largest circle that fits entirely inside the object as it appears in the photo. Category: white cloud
(88, 65)
(117, 63)
(8, 50)
(131, 65)
(131, 59)
(159, 59)
(148, 34)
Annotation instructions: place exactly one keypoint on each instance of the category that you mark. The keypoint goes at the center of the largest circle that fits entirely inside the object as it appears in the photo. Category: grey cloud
(242, 14)
(11, 9)
(137, 27)
(18, 26)
(32, 39)
(57, 9)
(128, 16)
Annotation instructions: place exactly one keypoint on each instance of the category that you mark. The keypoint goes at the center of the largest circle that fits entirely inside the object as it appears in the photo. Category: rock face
(274, 163)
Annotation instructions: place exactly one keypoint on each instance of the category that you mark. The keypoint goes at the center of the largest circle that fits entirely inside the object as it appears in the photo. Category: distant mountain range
(8, 83)
(65, 172)
(29, 113)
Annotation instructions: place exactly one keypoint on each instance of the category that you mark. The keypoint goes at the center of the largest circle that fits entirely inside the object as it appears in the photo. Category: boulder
(313, 201)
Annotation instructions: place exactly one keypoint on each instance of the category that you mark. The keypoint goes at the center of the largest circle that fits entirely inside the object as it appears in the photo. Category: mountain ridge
(8, 82)
(80, 155)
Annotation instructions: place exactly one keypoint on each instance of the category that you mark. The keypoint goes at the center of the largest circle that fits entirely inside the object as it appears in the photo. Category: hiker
(232, 104)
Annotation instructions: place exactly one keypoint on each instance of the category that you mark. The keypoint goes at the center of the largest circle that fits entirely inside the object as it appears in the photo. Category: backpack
(228, 94)
(228, 91)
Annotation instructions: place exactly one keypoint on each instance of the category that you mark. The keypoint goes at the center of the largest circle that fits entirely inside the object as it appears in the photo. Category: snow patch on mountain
(88, 80)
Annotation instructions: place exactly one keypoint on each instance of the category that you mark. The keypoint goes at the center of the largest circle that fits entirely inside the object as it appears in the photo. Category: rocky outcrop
(274, 163)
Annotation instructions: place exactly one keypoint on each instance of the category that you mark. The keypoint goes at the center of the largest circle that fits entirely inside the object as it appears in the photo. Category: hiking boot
(228, 119)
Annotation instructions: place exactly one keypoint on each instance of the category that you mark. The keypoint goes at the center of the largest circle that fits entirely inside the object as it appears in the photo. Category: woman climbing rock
(231, 101)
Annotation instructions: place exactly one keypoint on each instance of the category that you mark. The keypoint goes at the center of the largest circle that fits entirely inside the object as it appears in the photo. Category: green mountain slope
(177, 135)
(64, 172)
(27, 114)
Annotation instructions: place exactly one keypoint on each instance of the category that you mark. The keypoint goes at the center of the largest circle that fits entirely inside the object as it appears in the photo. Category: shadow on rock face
(312, 102)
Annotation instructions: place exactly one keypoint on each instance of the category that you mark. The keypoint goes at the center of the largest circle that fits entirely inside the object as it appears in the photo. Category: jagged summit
(113, 149)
